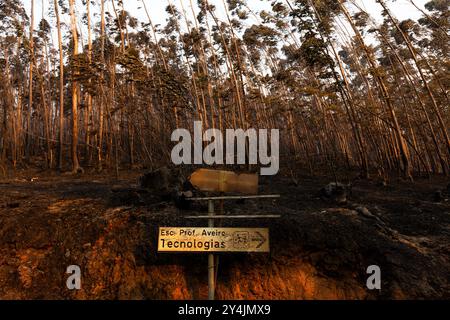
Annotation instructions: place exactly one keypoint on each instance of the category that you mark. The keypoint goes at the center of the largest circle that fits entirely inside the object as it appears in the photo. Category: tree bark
(75, 164)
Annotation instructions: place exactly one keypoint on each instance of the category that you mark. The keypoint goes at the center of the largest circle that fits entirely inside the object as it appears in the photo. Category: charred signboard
(185, 239)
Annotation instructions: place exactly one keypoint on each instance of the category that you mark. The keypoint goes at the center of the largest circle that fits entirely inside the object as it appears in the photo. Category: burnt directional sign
(224, 181)
(186, 239)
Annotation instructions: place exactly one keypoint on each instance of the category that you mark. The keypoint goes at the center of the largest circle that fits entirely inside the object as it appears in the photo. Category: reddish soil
(319, 250)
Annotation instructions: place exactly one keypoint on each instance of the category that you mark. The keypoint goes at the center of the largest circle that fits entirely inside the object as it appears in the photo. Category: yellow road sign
(186, 239)
(224, 181)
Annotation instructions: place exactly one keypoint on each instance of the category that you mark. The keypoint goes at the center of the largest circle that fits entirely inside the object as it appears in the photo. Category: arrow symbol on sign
(259, 237)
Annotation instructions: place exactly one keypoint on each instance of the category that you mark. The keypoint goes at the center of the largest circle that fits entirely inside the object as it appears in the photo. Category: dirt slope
(319, 250)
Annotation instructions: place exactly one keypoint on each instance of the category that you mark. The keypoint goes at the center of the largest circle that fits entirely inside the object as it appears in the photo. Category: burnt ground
(319, 249)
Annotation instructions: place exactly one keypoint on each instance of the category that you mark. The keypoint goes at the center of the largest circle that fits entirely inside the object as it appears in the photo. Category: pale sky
(402, 9)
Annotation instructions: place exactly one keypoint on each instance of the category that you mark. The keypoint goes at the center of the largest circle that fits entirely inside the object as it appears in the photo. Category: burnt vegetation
(92, 91)
(106, 90)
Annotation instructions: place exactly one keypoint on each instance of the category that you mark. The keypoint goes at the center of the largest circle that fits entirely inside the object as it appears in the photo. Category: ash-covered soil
(319, 249)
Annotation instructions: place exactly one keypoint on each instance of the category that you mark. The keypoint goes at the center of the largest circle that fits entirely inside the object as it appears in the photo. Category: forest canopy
(109, 89)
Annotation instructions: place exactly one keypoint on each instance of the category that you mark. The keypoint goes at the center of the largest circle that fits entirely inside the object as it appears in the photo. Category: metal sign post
(211, 217)
(211, 268)
(213, 239)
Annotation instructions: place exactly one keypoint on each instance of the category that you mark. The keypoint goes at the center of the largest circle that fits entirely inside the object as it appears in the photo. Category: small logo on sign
(241, 240)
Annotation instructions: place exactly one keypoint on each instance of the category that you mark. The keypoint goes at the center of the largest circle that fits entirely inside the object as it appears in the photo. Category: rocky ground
(320, 248)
